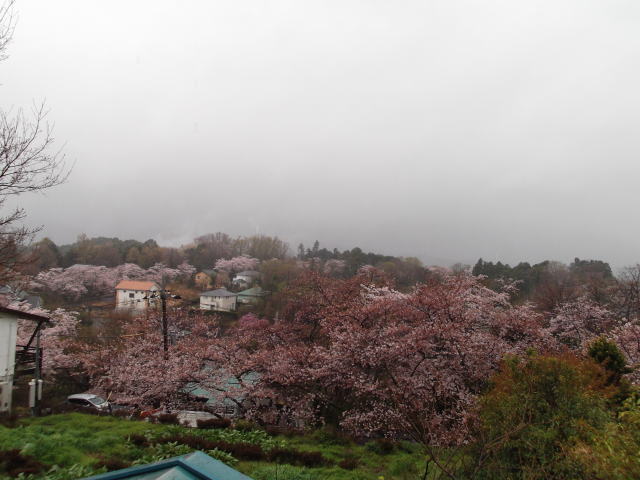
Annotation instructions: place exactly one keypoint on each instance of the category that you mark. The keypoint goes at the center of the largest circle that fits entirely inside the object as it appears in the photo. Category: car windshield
(97, 400)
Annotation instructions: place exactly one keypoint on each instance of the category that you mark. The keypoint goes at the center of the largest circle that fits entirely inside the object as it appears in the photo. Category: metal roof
(220, 292)
(251, 292)
(83, 396)
(248, 273)
(193, 466)
(24, 315)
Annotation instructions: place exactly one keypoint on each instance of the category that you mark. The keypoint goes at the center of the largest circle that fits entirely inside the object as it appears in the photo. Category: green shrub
(350, 463)
(607, 354)
(537, 410)
(245, 426)
(331, 436)
(381, 446)
(404, 467)
(295, 457)
(286, 472)
(611, 453)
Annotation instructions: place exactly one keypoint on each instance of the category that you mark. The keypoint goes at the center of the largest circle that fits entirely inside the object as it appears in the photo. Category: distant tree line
(406, 271)
(206, 250)
(551, 283)
(111, 252)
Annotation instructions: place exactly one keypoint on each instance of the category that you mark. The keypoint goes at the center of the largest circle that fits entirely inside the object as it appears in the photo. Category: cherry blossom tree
(577, 322)
(627, 337)
(334, 267)
(58, 339)
(132, 367)
(237, 264)
(79, 281)
(379, 361)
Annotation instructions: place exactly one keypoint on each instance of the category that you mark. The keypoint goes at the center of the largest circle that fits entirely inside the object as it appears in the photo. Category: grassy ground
(76, 445)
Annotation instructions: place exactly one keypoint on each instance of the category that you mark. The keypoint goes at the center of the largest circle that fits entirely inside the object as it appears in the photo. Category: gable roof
(220, 292)
(248, 273)
(136, 285)
(193, 466)
(24, 315)
(251, 292)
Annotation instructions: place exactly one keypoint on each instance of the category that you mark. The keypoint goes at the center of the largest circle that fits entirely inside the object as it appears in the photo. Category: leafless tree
(27, 164)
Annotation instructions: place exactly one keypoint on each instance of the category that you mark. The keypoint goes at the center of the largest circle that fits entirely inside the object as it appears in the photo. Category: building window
(131, 295)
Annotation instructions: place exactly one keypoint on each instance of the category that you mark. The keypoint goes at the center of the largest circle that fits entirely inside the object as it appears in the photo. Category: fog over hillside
(449, 130)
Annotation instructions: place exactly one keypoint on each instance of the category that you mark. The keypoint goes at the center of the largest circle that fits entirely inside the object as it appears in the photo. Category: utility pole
(165, 327)
(163, 295)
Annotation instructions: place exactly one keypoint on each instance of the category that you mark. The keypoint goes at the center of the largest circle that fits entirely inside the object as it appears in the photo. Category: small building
(219, 300)
(134, 294)
(204, 279)
(11, 294)
(246, 278)
(225, 396)
(251, 296)
(8, 335)
(192, 466)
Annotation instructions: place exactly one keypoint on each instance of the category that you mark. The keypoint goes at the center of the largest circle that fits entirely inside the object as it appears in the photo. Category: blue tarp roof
(193, 466)
(229, 384)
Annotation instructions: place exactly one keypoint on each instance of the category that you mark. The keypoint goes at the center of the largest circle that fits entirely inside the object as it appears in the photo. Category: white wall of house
(134, 299)
(8, 333)
(219, 304)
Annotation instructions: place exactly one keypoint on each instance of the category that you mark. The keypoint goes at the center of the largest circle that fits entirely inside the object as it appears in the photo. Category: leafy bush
(611, 453)
(162, 451)
(245, 426)
(296, 457)
(381, 446)
(404, 467)
(284, 431)
(350, 463)
(222, 456)
(331, 436)
(111, 463)
(241, 451)
(286, 472)
(536, 411)
(213, 423)
(607, 354)
(140, 440)
(72, 472)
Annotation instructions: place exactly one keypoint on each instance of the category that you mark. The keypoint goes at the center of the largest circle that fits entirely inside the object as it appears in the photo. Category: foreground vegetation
(75, 445)
(541, 417)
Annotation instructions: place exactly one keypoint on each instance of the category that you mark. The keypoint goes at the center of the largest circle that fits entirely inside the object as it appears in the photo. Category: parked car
(89, 401)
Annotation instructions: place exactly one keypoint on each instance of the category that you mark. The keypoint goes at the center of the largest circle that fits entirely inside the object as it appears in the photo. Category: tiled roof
(135, 285)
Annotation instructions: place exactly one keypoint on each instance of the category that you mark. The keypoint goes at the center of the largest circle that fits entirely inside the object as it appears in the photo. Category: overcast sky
(449, 130)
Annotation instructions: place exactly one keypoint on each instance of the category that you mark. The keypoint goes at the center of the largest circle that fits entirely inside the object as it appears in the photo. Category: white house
(246, 278)
(134, 294)
(8, 333)
(220, 300)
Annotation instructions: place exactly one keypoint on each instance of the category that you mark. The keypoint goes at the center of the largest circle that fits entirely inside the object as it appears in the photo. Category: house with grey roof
(246, 278)
(251, 296)
(219, 300)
